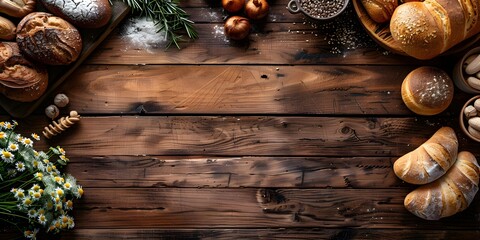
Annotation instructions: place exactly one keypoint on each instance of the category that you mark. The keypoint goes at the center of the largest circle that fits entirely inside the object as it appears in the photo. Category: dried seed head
(52, 111)
(61, 100)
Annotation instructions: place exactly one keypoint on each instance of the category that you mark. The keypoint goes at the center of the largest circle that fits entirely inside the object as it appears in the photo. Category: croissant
(430, 160)
(448, 195)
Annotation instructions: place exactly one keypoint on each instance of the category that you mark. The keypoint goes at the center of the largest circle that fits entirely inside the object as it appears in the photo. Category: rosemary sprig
(168, 16)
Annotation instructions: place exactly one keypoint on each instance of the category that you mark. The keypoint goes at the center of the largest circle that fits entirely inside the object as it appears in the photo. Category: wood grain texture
(172, 89)
(249, 135)
(235, 172)
(256, 208)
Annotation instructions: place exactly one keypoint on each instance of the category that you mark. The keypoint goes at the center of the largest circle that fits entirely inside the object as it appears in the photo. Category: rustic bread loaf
(7, 29)
(48, 39)
(448, 195)
(380, 11)
(430, 160)
(426, 29)
(20, 79)
(427, 90)
(83, 14)
(17, 8)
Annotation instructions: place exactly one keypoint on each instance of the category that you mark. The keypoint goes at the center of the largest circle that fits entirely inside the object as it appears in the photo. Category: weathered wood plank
(215, 172)
(275, 43)
(242, 90)
(259, 208)
(248, 135)
(296, 233)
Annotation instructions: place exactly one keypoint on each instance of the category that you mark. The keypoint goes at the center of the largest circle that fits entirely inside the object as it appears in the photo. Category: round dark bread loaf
(20, 79)
(48, 39)
(427, 90)
(83, 14)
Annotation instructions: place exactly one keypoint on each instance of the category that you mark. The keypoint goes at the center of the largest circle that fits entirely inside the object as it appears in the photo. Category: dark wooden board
(216, 89)
(58, 74)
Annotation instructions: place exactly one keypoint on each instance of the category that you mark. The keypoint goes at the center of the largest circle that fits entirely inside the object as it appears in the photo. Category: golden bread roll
(430, 160)
(7, 29)
(426, 29)
(48, 39)
(448, 195)
(20, 79)
(83, 14)
(17, 8)
(380, 11)
(427, 90)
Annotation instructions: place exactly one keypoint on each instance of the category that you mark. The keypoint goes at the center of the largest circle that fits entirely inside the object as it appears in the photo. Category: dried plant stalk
(61, 125)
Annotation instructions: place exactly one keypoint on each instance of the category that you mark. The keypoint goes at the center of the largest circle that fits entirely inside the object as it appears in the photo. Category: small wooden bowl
(458, 75)
(294, 7)
(463, 120)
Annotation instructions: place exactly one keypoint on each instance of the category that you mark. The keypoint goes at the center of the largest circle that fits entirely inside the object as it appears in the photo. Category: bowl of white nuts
(470, 118)
(466, 74)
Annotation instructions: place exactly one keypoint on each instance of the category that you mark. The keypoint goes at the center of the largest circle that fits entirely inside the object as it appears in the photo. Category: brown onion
(233, 5)
(237, 28)
(256, 9)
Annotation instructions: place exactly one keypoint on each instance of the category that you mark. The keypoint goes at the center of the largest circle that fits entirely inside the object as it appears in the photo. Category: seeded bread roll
(427, 90)
(426, 29)
(48, 39)
(20, 79)
(83, 14)
(17, 8)
(380, 10)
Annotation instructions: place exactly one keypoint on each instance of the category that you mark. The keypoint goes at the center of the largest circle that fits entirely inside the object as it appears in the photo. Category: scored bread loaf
(48, 39)
(426, 29)
(20, 79)
(430, 160)
(83, 14)
(380, 11)
(17, 8)
(448, 195)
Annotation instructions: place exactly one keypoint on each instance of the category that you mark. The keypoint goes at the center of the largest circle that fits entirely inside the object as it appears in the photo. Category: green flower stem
(13, 215)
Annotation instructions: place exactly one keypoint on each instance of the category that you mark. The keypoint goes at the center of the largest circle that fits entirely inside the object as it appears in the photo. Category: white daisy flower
(69, 205)
(7, 156)
(42, 219)
(27, 142)
(64, 158)
(20, 166)
(59, 191)
(19, 194)
(61, 150)
(2, 135)
(12, 147)
(8, 125)
(32, 213)
(35, 136)
(31, 234)
(27, 201)
(2, 124)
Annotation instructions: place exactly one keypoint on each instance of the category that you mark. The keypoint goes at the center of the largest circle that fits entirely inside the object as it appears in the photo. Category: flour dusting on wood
(142, 33)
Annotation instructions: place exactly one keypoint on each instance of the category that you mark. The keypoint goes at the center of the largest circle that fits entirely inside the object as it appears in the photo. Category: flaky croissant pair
(451, 179)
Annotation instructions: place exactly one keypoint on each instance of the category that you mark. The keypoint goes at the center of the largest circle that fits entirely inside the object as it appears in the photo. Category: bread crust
(18, 8)
(20, 79)
(430, 160)
(380, 10)
(450, 194)
(426, 29)
(83, 14)
(48, 39)
(427, 90)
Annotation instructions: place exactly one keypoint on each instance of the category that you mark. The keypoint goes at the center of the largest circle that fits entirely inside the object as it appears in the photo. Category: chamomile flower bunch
(34, 194)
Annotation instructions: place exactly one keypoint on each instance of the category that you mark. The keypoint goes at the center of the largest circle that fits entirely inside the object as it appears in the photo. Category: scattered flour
(142, 34)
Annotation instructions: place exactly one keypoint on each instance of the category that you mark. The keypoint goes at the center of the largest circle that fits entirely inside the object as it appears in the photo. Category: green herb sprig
(168, 16)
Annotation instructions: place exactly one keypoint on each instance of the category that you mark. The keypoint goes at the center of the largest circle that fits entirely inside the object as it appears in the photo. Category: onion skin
(237, 28)
(256, 9)
(233, 5)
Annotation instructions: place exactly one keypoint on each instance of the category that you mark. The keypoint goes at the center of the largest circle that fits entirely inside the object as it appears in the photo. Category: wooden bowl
(459, 76)
(380, 32)
(464, 121)
(294, 6)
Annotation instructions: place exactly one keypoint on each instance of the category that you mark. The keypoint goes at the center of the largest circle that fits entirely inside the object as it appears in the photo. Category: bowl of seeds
(318, 9)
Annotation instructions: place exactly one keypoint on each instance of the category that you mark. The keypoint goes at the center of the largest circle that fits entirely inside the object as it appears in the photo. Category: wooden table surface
(291, 134)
